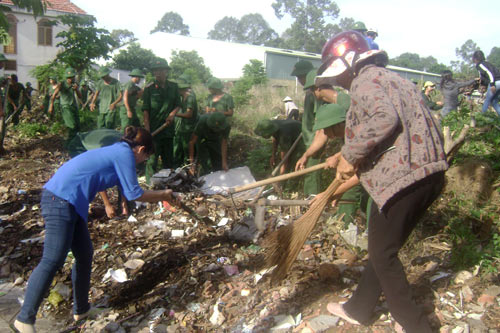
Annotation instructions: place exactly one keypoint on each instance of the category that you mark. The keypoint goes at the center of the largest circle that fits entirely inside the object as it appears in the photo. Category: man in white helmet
(291, 110)
(371, 34)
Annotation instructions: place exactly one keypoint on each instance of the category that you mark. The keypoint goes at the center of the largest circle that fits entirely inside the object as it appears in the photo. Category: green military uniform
(46, 101)
(160, 101)
(69, 108)
(285, 132)
(29, 90)
(209, 142)
(133, 95)
(224, 104)
(86, 94)
(430, 103)
(184, 127)
(16, 93)
(108, 93)
(132, 91)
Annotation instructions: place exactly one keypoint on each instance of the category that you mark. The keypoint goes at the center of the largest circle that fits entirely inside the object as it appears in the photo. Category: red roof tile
(65, 6)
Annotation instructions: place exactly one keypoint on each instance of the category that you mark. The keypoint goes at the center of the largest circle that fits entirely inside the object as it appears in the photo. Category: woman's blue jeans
(64, 230)
(492, 99)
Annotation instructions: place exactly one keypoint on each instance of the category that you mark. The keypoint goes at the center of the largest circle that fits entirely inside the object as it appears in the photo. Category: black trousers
(387, 232)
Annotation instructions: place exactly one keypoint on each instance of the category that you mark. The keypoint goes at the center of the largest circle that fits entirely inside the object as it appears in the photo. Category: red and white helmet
(342, 52)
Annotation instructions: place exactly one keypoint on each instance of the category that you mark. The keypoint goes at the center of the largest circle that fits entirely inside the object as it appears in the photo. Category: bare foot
(337, 309)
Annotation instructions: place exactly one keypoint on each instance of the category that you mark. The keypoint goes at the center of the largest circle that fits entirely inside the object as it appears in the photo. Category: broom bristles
(283, 245)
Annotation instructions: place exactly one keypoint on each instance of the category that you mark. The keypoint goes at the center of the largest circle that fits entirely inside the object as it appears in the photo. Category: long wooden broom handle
(277, 178)
(159, 129)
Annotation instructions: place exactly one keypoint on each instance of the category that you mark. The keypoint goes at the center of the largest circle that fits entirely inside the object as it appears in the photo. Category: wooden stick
(159, 129)
(277, 178)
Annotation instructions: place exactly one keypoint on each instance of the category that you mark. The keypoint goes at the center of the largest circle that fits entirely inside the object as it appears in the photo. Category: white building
(33, 39)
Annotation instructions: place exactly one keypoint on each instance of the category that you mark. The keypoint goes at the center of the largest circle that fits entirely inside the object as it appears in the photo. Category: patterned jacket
(390, 134)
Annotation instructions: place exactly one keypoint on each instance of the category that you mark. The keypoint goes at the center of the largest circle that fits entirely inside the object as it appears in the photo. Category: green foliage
(37, 7)
(172, 23)
(312, 23)
(57, 128)
(31, 130)
(88, 120)
(464, 65)
(494, 57)
(414, 61)
(258, 159)
(191, 63)
(134, 57)
(122, 37)
(250, 29)
(83, 42)
(255, 71)
(43, 72)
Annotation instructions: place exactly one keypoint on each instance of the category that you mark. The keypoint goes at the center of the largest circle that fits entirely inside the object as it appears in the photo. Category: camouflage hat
(215, 83)
(160, 63)
(329, 115)
(310, 79)
(136, 72)
(302, 67)
(359, 26)
(69, 72)
(183, 82)
(103, 71)
(2, 57)
(217, 121)
(265, 128)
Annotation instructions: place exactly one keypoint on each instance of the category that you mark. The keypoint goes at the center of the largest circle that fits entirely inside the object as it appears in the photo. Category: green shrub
(31, 130)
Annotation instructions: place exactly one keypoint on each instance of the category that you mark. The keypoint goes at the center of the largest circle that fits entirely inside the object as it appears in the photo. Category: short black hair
(478, 55)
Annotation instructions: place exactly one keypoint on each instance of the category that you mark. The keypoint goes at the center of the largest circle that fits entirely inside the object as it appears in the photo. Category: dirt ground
(205, 281)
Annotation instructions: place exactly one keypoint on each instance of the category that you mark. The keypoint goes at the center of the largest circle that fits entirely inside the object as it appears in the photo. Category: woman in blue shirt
(65, 203)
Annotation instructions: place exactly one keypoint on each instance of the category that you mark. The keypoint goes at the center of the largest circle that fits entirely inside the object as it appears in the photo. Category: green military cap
(28, 84)
(53, 77)
(183, 82)
(69, 72)
(84, 83)
(329, 115)
(2, 57)
(302, 67)
(160, 63)
(136, 72)
(344, 100)
(217, 121)
(359, 26)
(265, 128)
(215, 83)
(103, 71)
(311, 75)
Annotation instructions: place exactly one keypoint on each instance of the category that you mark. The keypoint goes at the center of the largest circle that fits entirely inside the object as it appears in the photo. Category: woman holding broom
(393, 145)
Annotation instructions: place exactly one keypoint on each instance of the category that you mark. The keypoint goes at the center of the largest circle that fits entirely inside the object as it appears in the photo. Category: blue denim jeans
(491, 99)
(64, 230)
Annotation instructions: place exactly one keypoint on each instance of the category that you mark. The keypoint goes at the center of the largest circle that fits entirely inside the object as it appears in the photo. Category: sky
(426, 27)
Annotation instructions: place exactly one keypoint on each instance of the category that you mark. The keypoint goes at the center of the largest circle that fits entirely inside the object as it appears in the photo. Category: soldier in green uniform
(16, 98)
(161, 101)
(86, 93)
(67, 89)
(185, 121)
(50, 91)
(283, 133)
(27, 94)
(218, 100)
(300, 70)
(109, 92)
(210, 135)
(311, 180)
(131, 93)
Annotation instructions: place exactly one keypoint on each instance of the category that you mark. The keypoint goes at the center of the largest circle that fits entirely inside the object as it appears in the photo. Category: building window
(12, 47)
(11, 65)
(44, 33)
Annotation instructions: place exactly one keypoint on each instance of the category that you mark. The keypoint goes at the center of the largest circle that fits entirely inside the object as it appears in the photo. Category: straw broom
(283, 245)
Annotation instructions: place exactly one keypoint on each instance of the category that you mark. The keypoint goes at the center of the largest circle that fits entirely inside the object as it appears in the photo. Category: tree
(191, 63)
(83, 42)
(464, 66)
(494, 57)
(134, 57)
(122, 36)
(255, 71)
(310, 28)
(172, 23)
(414, 61)
(225, 29)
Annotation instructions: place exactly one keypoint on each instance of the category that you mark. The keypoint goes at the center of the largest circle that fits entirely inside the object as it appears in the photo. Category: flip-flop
(337, 309)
